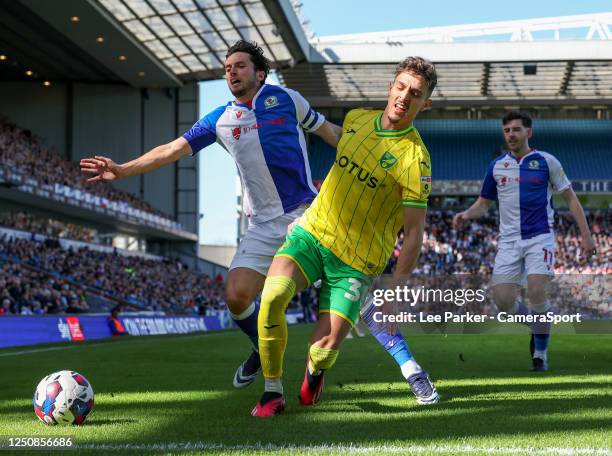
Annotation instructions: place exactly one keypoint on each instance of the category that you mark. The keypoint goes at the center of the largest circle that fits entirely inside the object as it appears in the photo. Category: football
(64, 397)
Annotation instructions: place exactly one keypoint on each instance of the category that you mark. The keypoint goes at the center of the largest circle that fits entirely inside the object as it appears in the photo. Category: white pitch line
(140, 339)
(40, 350)
(415, 449)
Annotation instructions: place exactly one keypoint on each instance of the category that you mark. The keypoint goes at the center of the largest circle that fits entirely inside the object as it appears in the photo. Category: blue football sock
(247, 322)
(541, 333)
(395, 345)
(521, 309)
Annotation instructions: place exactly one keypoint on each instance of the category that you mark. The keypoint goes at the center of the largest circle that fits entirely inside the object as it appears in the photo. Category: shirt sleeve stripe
(307, 118)
(415, 205)
(421, 201)
(314, 121)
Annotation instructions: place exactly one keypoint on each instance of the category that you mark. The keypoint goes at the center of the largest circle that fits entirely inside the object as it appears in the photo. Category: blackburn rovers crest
(270, 102)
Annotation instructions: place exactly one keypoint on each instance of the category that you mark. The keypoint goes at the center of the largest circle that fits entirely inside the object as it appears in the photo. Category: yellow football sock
(271, 324)
(321, 358)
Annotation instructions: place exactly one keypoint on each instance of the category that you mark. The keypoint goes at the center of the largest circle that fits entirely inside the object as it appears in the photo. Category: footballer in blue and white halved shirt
(265, 137)
(523, 181)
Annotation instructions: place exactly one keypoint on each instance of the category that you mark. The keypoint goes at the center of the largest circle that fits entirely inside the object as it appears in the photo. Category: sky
(334, 17)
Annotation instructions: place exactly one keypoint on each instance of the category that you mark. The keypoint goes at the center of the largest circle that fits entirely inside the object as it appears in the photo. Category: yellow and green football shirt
(377, 172)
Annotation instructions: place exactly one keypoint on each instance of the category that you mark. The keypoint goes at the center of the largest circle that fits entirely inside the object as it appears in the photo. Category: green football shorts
(343, 288)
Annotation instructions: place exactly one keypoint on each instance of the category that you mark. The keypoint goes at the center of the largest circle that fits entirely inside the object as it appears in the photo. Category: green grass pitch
(173, 394)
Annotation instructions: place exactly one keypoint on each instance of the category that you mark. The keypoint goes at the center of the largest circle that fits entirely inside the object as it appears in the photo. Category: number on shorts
(355, 286)
(548, 256)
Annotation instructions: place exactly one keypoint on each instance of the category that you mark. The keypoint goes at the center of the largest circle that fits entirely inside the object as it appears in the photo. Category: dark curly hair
(516, 115)
(256, 52)
(421, 67)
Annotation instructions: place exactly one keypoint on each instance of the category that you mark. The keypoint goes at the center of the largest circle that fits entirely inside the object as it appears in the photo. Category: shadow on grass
(93, 422)
(346, 417)
(359, 390)
(17, 408)
(359, 412)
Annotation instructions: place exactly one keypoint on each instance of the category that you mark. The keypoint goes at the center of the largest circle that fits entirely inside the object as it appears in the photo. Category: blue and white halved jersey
(268, 145)
(524, 190)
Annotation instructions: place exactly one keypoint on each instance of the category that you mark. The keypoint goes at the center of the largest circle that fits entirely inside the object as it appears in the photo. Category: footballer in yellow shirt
(379, 182)
(358, 212)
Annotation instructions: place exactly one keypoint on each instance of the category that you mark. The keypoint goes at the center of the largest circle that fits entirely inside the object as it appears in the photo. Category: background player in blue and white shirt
(523, 181)
(263, 130)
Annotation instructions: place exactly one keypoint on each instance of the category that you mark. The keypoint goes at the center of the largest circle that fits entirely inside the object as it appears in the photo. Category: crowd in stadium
(472, 249)
(24, 152)
(47, 226)
(471, 252)
(43, 277)
(66, 273)
(25, 291)
(568, 244)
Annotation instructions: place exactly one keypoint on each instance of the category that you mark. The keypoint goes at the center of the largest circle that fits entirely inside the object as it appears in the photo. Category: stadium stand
(45, 277)
(24, 291)
(462, 148)
(46, 226)
(472, 249)
(24, 152)
(60, 275)
(465, 258)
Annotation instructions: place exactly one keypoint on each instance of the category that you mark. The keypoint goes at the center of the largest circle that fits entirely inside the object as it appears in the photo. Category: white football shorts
(517, 259)
(261, 242)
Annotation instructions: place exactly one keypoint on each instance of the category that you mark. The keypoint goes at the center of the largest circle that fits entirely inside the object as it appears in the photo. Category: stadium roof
(165, 43)
(146, 43)
(550, 60)
(191, 37)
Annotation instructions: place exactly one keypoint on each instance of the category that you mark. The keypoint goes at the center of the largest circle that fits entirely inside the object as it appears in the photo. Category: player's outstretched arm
(476, 210)
(330, 133)
(588, 246)
(104, 168)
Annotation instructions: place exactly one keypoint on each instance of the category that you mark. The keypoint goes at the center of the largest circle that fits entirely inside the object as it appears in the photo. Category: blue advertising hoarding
(32, 330)
(18, 331)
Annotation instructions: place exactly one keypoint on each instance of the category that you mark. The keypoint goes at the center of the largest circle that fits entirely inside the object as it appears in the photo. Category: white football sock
(274, 385)
(540, 354)
(410, 367)
(246, 313)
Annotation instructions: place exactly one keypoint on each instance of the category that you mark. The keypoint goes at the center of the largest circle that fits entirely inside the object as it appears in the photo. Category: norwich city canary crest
(387, 160)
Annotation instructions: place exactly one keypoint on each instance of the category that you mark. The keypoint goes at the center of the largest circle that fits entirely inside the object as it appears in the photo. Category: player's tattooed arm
(588, 245)
(476, 210)
(104, 168)
(330, 133)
